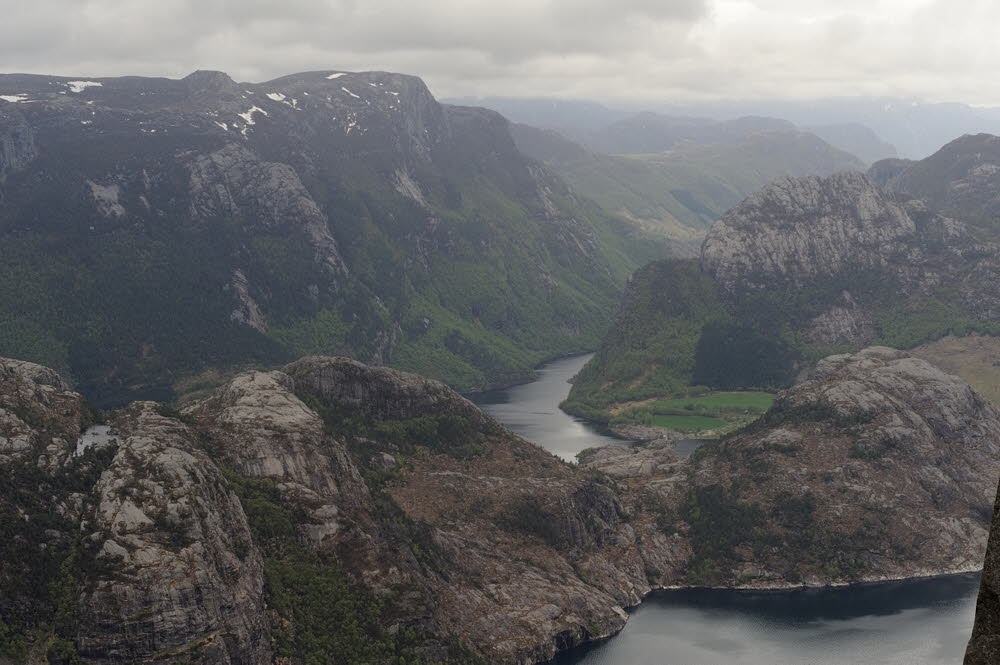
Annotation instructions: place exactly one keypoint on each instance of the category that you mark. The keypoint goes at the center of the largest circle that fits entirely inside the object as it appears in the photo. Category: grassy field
(688, 423)
(719, 412)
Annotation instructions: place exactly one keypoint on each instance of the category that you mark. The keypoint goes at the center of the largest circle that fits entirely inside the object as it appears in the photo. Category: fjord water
(918, 622)
(532, 410)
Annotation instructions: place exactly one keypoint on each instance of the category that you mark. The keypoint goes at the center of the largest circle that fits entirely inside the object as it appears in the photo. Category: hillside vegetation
(157, 231)
(680, 192)
(805, 268)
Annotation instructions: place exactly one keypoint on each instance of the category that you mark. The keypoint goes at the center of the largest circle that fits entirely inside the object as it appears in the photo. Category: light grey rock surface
(185, 580)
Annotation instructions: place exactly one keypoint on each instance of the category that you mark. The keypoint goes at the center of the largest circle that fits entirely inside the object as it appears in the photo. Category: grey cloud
(658, 50)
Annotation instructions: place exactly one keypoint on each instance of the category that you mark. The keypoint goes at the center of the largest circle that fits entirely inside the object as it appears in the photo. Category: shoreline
(774, 589)
(522, 382)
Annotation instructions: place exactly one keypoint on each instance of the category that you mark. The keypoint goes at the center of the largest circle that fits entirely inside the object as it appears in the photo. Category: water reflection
(532, 410)
(919, 622)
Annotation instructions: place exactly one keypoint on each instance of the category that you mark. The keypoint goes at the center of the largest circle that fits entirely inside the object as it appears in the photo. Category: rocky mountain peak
(324, 194)
(841, 479)
(961, 179)
(800, 231)
(381, 393)
(799, 228)
(208, 81)
(208, 534)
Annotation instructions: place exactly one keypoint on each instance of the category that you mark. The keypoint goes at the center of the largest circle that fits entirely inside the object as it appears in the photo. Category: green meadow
(713, 411)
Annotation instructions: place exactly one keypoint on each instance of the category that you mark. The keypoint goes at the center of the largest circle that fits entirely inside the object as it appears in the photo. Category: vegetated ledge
(452, 539)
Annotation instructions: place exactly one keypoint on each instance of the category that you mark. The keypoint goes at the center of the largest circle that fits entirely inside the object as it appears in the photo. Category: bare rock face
(379, 392)
(852, 469)
(814, 264)
(512, 529)
(260, 428)
(38, 414)
(233, 181)
(472, 539)
(296, 211)
(184, 580)
(264, 430)
(797, 230)
(843, 323)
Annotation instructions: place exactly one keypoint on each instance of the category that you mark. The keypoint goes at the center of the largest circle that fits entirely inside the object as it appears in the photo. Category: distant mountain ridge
(681, 191)
(648, 132)
(962, 179)
(603, 129)
(155, 228)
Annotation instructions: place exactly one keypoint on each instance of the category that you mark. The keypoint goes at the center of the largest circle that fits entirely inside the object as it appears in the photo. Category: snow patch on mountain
(80, 86)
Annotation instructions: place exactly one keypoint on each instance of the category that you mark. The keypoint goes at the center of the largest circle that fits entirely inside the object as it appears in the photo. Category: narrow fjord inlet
(532, 410)
(913, 622)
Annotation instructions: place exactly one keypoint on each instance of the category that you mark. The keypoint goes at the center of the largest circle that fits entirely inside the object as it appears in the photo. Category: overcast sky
(621, 50)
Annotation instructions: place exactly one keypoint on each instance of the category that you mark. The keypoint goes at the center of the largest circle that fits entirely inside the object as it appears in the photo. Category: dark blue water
(920, 622)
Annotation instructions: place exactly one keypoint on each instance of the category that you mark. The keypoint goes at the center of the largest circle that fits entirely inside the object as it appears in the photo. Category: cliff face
(176, 575)
(323, 212)
(797, 230)
(984, 645)
(814, 264)
(274, 518)
(336, 512)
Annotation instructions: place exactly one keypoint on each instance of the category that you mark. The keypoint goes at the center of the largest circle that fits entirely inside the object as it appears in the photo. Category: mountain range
(865, 126)
(160, 234)
(158, 231)
(681, 191)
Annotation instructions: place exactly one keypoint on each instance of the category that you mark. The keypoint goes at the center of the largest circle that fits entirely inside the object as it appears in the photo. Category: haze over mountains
(680, 191)
(290, 294)
(875, 127)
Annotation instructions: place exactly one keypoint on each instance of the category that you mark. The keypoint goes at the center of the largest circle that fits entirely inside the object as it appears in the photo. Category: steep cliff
(152, 228)
(329, 512)
(984, 644)
(804, 267)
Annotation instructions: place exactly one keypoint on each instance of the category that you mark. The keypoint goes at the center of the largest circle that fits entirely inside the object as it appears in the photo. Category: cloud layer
(613, 50)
